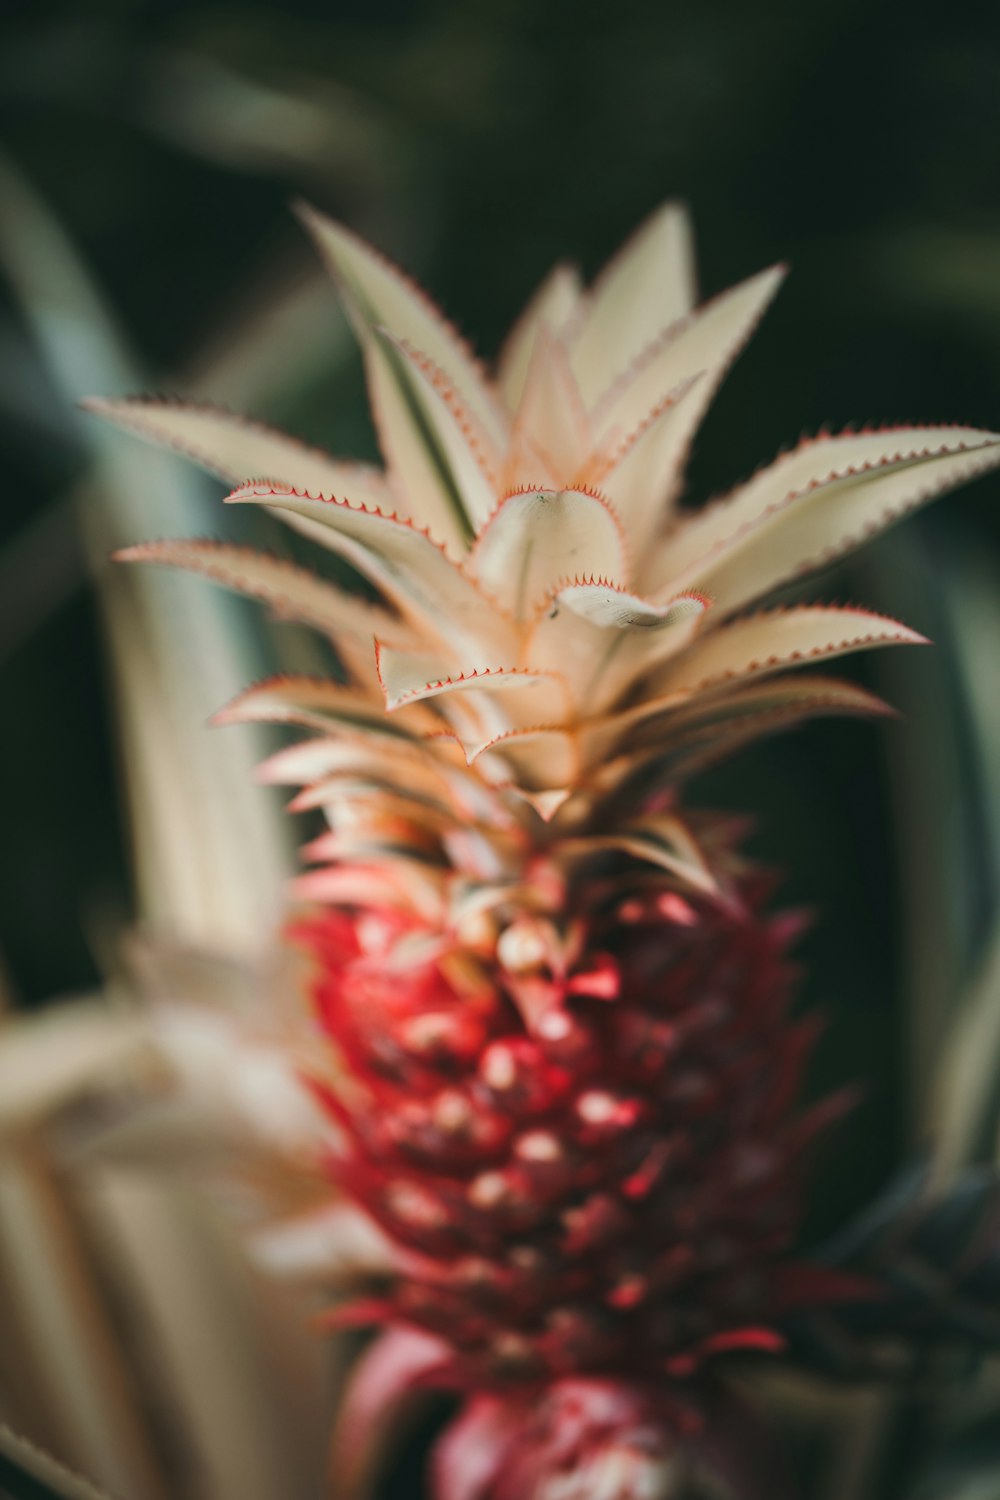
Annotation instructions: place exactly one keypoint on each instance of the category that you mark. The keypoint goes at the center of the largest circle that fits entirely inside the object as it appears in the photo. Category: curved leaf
(236, 448)
(538, 539)
(293, 593)
(552, 307)
(401, 560)
(774, 640)
(650, 280)
(816, 503)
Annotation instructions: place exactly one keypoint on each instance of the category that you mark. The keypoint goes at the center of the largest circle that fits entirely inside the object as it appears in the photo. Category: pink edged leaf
(309, 763)
(542, 759)
(401, 560)
(293, 593)
(319, 703)
(388, 840)
(235, 447)
(420, 474)
(545, 804)
(604, 604)
(709, 340)
(382, 295)
(650, 283)
(408, 677)
(385, 1387)
(380, 299)
(402, 764)
(537, 539)
(818, 502)
(403, 886)
(552, 307)
(693, 749)
(303, 762)
(465, 456)
(367, 794)
(656, 839)
(642, 476)
(551, 420)
(731, 703)
(664, 726)
(600, 636)
(773, 641)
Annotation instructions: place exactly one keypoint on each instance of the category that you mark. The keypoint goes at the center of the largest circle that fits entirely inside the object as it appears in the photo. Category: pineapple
(552, 1005)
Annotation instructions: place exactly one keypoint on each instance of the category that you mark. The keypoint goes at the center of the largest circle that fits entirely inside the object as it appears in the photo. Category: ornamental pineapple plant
(553, 1037)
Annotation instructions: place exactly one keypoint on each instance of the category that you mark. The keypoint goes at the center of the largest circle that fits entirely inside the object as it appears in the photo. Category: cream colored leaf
(303, 762)
(48, 1060)
(407, 677)
(237, 1384)
(406, 789)
(551, 421)
(657, 839)
(675, 741)
(581, 650)
(236, 448)
(775, 640)
(393, 840)
(540, 759)
(293, 593)
(402, 764)
(422, 484)
(643, 475)
(381, 295)
(537, 539)
(818, 502)
(676, 717)
(466, 456)
(552, 307)
(381, 300)
(60, 1337)
(339, 795)
(709, 340)
(404, 886)
(545, 804)
(318, 703)
(616, 608)
(649, 284)
(402, 561)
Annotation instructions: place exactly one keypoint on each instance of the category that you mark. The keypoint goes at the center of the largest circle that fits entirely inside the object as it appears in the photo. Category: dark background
(476, 143)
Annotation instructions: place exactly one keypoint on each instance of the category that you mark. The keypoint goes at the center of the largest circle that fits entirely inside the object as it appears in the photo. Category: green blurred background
(477, 143)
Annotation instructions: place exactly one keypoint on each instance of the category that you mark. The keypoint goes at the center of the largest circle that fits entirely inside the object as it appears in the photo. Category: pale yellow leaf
(552, 307)
(649, 284)
(537, 540)
(237, 449)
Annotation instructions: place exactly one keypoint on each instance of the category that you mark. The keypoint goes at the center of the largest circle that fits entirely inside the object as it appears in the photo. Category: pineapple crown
(552, 637)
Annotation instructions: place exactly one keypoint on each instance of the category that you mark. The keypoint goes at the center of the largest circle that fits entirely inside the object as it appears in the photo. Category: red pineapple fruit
(584, 1143)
